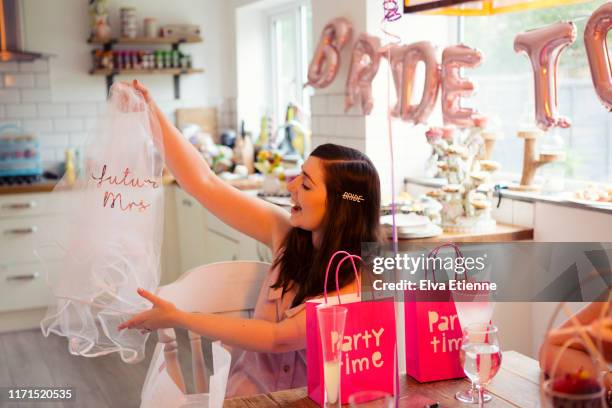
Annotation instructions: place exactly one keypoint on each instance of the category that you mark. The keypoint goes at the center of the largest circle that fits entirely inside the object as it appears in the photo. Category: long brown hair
(346, 225)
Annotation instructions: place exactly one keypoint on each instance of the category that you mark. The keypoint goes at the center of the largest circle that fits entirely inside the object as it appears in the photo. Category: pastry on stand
(466, 199)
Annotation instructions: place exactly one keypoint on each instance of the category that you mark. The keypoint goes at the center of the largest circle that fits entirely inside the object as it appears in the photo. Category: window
(291, 45)
(505, 89)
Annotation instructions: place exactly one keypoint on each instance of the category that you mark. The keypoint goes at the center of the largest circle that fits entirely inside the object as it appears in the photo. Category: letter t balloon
(543, 47)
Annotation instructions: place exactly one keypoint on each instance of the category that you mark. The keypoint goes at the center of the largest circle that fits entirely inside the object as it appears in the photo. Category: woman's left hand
(162, 315)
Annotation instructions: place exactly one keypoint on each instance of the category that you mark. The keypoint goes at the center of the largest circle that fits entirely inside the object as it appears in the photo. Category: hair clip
(352, 197)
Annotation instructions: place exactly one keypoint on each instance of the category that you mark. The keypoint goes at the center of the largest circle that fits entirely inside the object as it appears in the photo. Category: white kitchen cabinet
(203, 238)
(220, 247)
(224, 243)
(24, 286)
(191, 230)
(28, 221)
(26, 205)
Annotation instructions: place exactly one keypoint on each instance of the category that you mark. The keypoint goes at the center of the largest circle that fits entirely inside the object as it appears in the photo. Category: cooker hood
(11, 39)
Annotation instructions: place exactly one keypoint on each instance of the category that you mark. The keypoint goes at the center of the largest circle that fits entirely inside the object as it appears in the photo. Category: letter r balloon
(543, 46)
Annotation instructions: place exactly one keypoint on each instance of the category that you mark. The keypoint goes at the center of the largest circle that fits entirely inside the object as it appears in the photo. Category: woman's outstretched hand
(162, 315)
(142, 89)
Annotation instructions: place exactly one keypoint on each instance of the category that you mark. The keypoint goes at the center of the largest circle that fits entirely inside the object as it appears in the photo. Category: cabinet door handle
(24, 277)
(187, 202)
(19, 206)
(20, 231)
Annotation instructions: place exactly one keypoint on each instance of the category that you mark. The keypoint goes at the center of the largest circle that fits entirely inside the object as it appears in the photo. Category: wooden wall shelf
(176, 73)
(146, 40)
(161, 71)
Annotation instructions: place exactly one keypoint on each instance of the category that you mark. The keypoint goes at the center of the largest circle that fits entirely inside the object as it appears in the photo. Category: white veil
(114, 227)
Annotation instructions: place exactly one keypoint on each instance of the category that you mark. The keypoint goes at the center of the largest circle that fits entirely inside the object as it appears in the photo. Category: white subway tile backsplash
(39, 65)
(68, 125)
(78, 139)
(101, 108)
(351, 127)
(318, 140)
(24, 110)
(327, 125)
(318, 104)
(358, 144)
(35, 95)
(54, 140)
(91, 124)
(42, 80)
(37, 125)
(83, 109)
(52, 110)
(18, 80)
(9, 96)
(315, 125)
(9, 67)
(335, 104)
(48, 155)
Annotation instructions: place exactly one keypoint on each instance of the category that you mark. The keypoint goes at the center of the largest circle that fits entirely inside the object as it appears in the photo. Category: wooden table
(502, 233)
(515, 385)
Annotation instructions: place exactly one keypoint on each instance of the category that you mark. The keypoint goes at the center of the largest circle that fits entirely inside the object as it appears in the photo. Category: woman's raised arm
(256, 218)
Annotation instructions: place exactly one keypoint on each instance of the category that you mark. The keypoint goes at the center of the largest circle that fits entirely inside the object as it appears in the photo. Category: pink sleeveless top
(256, 373)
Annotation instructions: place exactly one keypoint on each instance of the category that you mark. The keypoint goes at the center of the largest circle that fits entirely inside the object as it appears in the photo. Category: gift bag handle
(347, 256)
(434, 252)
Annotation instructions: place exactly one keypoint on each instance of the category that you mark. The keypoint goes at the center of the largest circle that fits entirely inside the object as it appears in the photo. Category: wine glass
(473, 307)
(480, 356)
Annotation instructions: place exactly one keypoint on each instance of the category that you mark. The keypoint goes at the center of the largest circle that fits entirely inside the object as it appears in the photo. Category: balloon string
(387, 49)
(392, 160)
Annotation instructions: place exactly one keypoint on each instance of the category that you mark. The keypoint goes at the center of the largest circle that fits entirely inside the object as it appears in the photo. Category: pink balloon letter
(326, 59)
(404, 60)
(543, 47)
(454, 87)
(595, 34)
(364, 66)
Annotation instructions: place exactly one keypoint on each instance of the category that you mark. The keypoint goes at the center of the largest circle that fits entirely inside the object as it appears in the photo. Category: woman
(323, 220)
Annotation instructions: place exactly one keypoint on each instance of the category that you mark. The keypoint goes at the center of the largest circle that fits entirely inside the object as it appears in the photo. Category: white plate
(405, 220)
(599, 204)
(427, 231)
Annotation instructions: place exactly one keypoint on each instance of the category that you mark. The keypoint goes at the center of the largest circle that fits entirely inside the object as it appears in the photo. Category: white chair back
(214, 288)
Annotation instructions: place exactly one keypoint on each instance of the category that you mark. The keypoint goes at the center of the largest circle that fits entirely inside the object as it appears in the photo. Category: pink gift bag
(433, 333)
(368, 346)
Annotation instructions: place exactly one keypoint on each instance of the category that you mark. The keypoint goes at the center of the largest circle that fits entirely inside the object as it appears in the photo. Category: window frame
(570, 183)
(298, 9)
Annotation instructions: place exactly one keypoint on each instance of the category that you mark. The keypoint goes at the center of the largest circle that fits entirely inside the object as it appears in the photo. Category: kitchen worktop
(47, 185)
(502, 232)
(38, 187)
